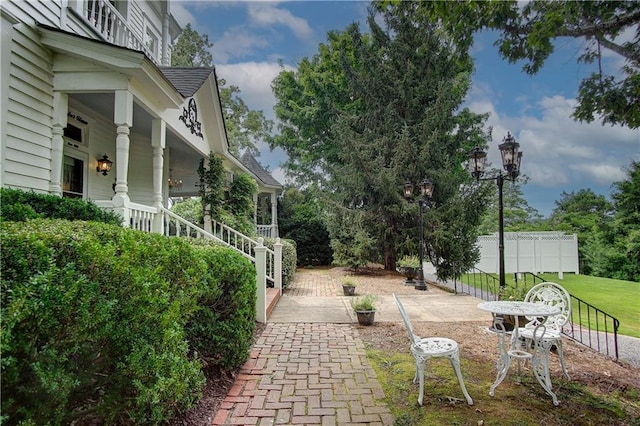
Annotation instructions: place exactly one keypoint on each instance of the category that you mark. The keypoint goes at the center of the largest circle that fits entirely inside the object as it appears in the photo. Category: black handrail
(600, 338)
(481, 285)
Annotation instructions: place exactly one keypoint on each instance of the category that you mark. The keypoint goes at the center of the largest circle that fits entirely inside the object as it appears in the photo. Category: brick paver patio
(312, 374)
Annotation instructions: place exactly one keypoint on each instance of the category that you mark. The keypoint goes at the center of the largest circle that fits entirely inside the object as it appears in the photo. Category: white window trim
(84, 157)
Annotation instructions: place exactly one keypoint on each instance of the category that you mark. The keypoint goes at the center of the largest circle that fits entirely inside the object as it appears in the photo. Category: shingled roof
(252, 164)
(187, 80)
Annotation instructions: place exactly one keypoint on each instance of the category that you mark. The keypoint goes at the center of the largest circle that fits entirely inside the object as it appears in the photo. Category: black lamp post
(511, 164)
(426, 192)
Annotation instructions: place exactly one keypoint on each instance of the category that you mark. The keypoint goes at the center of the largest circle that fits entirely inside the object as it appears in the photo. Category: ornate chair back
(553, 294)
(407, 322)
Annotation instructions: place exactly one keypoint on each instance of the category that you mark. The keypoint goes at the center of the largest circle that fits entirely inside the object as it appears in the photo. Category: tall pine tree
(372, 111)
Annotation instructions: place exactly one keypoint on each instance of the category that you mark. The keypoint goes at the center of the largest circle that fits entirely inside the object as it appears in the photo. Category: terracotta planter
(365, 317)
(349, 290)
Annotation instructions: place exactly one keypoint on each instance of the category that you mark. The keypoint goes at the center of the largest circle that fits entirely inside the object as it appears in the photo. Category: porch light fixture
(174, 183)
(104, 165)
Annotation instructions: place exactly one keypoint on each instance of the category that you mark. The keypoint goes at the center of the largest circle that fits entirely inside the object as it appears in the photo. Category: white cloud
(236, 42)
(267, 14)
(558, 151)
(254, 80)
(279, 175)
(182, 15)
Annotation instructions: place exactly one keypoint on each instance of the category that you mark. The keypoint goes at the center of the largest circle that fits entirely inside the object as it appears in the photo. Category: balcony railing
(112, 27)
(267, 231)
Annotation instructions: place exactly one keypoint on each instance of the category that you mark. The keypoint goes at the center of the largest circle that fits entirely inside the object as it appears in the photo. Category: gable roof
(249, 161)
(187, 80)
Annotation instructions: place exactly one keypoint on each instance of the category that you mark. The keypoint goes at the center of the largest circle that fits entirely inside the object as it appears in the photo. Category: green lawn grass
(618, 298)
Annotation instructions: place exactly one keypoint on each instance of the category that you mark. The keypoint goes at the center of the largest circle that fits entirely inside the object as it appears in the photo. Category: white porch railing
(105, 19)
(268, 262)
(268, 231)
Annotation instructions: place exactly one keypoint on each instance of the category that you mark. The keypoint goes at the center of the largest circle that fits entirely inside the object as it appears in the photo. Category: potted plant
(348, 286)
(365, 309)
(408, 266)
(513, 293)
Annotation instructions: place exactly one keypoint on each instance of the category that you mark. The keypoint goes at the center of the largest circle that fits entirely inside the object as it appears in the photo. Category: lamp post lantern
(511, 157)
(426, 192)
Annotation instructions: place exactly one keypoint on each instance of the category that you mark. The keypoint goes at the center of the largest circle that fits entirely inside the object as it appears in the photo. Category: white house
(89, 80)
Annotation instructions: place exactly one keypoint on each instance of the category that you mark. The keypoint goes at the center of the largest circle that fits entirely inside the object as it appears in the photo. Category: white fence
(535, 252)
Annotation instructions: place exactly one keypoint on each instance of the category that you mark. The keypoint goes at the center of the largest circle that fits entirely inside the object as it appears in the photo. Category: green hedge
(18, 206)
(109, 324)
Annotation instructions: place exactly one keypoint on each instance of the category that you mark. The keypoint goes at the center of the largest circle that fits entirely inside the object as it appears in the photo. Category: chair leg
(420, 374)
(558, 344)
(455, 363)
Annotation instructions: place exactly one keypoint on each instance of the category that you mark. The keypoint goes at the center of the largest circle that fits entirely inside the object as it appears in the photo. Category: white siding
(43, 11)
(135, 19)
(27, 155)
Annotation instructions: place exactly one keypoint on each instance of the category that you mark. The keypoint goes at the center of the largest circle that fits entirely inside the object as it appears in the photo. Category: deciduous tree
(245, 127)
(615, 251)
(583, 213)
(530, 32)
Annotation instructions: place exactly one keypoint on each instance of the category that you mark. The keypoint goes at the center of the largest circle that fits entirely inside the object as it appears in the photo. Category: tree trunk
(389, 258)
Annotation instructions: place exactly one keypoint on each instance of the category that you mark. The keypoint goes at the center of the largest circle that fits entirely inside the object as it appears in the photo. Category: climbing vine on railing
(212, 185)
(228, 202)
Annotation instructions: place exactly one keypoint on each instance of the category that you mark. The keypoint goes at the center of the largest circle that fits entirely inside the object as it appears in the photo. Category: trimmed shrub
(221, 331)
(103, 322)
(300, 220)
(18, 206)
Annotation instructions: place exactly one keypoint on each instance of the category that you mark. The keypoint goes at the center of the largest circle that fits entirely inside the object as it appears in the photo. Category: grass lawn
(618, 298)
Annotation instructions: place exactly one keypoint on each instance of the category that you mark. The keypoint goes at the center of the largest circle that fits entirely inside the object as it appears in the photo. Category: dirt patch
(477, 344)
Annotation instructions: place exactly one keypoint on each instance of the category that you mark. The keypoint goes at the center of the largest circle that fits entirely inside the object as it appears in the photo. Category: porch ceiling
(182, 159)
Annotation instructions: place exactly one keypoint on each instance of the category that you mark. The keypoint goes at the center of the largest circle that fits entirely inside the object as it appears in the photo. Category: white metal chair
(424, 348)
(553, 294)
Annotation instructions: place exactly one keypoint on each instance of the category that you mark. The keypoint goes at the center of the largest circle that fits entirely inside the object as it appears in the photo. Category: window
(76, 132)
(151, 41)
(73, 177)
(76, 156)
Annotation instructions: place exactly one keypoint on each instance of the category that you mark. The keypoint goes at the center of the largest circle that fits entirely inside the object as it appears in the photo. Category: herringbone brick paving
(312, 374)
(303, 373)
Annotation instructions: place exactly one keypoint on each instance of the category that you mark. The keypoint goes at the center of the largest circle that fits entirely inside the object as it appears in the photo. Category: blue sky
(250, 37)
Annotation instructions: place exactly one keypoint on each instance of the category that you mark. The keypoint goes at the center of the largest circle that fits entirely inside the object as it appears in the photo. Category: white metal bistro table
(539, 355)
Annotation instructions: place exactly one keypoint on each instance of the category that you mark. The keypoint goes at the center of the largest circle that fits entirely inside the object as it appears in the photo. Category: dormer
(147, 26)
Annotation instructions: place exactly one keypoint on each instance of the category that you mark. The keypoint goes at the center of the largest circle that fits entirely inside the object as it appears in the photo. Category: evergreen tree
(518, 214)
(370, 112)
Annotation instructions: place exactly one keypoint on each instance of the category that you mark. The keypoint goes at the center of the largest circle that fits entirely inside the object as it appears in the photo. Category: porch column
(158, 141)
(256, 198)
(166, 38)
(274, 215)
(59, 122)
(123, 119)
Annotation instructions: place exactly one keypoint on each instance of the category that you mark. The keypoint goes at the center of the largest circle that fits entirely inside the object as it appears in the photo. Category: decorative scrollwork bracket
(190, 118)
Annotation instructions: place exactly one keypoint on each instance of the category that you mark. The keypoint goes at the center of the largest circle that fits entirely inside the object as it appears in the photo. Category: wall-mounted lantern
(104, 165)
